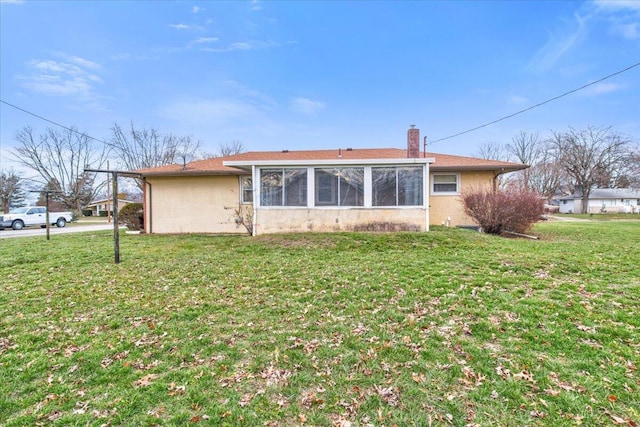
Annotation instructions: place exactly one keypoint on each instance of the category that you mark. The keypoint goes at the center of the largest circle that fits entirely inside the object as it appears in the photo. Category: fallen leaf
(146, 380)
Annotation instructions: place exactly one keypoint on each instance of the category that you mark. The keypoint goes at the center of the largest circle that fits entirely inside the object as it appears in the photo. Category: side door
(35, 216)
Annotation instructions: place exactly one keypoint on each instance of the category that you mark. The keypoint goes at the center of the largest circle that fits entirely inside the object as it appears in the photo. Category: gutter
(254, 220)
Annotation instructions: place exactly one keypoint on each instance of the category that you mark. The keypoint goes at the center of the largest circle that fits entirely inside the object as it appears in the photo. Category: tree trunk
(585, 202)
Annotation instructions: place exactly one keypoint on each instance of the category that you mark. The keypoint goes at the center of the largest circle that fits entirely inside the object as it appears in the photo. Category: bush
(132, 216)
(87, 212)
(503, 210)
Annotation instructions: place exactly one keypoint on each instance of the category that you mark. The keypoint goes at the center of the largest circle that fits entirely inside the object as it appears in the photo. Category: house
(102, 206)
(603, 200)
(316, 190)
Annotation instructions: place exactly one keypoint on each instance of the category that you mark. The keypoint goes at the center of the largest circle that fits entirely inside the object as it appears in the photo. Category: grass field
(446, 328)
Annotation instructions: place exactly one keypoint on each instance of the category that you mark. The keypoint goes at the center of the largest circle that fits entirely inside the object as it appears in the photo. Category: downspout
(425, 195)
(425, 186)
(256, 195)
(496, 174)
(150, 215)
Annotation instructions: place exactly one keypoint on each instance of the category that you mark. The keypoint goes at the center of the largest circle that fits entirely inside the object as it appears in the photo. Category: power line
(536, 105)
(56, 123)
(432, 142)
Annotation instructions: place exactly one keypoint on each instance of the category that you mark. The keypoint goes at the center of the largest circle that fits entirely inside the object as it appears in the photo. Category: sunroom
(336, 194)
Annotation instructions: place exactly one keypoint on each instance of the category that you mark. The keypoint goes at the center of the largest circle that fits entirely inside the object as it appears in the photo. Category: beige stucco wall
(207, 205)
(450, 207)
(192, 205)
(279, 220)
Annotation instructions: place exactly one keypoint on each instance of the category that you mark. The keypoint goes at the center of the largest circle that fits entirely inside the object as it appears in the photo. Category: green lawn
(446, 328)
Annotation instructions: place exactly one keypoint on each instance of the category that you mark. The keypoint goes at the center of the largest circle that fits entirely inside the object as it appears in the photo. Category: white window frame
(397, 170)
(257, 167)
(284, 187)
(335, 188)
(243, 189)
(444, 193)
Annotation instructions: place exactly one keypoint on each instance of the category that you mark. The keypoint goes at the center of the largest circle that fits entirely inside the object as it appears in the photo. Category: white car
(33, 216)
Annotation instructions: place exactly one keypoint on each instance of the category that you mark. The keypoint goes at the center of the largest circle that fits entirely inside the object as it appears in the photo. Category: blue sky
(311, 75)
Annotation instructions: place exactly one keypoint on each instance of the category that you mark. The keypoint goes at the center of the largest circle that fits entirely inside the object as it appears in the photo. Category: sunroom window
(283, 187)
(397, 186)
(339, 186)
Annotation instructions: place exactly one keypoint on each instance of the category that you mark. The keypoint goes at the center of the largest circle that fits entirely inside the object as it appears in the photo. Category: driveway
(8, 233)
(566, 218)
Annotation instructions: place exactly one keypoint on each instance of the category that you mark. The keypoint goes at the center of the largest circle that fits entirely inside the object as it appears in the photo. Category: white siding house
(603, 200)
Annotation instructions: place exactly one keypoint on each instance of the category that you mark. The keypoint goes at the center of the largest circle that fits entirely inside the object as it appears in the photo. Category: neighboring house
(603, 200)
(317, 190)
(105, 205)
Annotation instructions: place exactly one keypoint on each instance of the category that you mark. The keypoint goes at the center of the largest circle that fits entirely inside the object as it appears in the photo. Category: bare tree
(545, 177)
(491, 150)
(59, 159)
(12, 191)
(148, 148)
(527, 148)
(634, 168)
(231, 148)
(592, 157)
(629, 175)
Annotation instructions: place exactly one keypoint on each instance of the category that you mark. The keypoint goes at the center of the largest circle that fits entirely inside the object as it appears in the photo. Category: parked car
(33, 216)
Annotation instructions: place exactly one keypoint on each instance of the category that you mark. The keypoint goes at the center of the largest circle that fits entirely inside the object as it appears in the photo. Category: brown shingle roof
(215, 166)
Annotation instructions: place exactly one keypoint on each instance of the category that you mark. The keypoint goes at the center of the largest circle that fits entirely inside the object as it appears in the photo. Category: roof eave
(328, 162)
(494, 168)
(193, 173)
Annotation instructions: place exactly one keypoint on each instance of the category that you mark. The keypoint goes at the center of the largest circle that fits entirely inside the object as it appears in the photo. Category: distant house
(104, 205)
(603, 200)
(316, 190)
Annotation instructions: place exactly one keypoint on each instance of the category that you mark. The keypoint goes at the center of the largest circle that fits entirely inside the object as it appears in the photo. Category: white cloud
(197, 9)
(603, 88)
(517, 100)
(179, 26)
(70, 76)
(630, 31)
(85, 63)
(203, 40)
(617, 4)
(218, 111)
(246, 45)
(12, 1)
(559, 44)
(623, 16)
(240, 46)
(306, 106)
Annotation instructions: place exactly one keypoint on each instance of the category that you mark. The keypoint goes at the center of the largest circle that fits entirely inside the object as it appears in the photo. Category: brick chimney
(413, 142)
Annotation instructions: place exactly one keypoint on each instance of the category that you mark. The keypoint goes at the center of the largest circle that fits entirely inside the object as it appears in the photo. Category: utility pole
(108, 196)
(116, 229)
(46, 204)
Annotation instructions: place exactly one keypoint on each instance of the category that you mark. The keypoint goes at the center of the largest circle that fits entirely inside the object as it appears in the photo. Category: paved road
(37, 231)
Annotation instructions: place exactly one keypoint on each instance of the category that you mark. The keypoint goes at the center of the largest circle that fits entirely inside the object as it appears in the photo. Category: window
(397, 186)
(445, 183)
(283, 187)
(246, 189)
(339, 186)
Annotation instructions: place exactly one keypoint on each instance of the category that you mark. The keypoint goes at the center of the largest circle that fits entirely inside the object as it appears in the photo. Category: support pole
(46, 203)
(109, 204)
(116, 230)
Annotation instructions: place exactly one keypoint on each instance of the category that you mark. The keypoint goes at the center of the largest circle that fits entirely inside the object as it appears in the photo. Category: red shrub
(503, 210)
